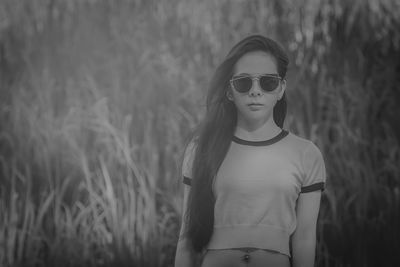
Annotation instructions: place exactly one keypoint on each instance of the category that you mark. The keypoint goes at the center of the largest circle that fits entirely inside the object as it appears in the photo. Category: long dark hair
(214, 136)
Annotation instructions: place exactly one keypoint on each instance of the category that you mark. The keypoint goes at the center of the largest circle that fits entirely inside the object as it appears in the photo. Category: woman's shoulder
(298, 141)
(301, 144)
(303, 150)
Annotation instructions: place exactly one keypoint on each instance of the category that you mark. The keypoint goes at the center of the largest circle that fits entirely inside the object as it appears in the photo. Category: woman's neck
(257, 131)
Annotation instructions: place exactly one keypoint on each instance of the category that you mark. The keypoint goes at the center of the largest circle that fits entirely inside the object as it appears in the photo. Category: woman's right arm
(185, 256)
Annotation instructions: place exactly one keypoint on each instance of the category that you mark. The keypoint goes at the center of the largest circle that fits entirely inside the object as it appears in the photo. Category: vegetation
(98, 99)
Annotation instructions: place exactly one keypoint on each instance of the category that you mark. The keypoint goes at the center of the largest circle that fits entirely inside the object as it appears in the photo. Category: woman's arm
(304, 237)
(184, 256)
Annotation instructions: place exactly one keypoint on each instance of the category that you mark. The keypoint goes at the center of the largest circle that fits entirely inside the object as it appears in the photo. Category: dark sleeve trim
(187, 180)
(313, 187)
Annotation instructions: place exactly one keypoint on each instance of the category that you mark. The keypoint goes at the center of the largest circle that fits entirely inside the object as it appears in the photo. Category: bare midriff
(244, 256)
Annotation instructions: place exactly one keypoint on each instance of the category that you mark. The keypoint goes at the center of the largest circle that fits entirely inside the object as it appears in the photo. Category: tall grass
(80, 196)
(98, 99)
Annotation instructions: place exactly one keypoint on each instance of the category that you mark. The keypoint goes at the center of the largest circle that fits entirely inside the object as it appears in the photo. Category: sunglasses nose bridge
(255, 84)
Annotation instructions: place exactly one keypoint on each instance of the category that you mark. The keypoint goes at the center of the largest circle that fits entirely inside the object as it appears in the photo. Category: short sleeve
(314, 170)
(187, 164)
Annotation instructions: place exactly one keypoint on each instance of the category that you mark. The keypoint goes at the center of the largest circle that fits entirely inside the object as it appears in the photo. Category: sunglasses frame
(253, 78)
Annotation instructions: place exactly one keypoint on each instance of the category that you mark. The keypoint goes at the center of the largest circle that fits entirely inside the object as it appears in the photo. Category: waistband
(250, 238)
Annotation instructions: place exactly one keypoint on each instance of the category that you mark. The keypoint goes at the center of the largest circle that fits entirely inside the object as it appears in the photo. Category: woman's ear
(283, 88)
(229, 95)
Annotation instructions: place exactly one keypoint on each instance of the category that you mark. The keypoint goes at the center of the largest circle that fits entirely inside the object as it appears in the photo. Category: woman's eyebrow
(242, 74)
(258, 74)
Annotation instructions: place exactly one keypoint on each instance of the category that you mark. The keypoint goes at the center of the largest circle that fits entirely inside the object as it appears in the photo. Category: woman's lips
(255, 106)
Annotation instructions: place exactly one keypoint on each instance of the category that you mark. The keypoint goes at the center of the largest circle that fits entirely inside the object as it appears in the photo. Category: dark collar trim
(275, 139)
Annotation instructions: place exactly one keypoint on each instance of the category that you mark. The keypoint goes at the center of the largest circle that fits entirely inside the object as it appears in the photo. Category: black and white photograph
(199, 133)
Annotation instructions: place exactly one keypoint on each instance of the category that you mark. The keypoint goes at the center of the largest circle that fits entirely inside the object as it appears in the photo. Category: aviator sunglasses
(267, 82)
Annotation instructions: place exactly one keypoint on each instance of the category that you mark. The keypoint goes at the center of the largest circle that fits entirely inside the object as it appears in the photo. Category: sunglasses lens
(242, 85)
(269, 84)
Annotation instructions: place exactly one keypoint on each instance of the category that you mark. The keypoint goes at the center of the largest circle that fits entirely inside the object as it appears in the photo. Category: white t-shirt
(256, 189)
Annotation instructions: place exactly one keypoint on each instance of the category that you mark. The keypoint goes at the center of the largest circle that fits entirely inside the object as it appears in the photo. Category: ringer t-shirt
(256, 189)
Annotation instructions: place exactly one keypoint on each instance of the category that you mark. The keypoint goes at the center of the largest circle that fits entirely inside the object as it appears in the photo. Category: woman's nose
(255, 89)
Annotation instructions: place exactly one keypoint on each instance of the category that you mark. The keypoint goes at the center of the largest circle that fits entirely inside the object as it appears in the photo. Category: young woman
(252, 189)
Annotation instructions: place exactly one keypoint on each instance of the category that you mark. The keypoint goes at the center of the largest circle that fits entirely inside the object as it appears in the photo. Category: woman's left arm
(304, 238)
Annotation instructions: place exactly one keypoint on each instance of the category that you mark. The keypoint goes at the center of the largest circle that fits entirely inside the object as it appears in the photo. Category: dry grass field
(98, 99)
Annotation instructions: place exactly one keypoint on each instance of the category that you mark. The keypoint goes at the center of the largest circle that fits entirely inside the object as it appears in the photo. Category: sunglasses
(267, 82)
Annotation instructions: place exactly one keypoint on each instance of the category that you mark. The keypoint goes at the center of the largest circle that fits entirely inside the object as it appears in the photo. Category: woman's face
(256, 105)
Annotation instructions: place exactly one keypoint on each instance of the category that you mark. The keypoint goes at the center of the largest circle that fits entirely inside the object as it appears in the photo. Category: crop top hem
(259, 236)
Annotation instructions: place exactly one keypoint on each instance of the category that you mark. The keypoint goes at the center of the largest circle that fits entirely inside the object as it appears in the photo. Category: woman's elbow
(305, 233)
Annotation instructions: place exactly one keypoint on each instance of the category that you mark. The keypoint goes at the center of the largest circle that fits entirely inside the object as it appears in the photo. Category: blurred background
(98, 99)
